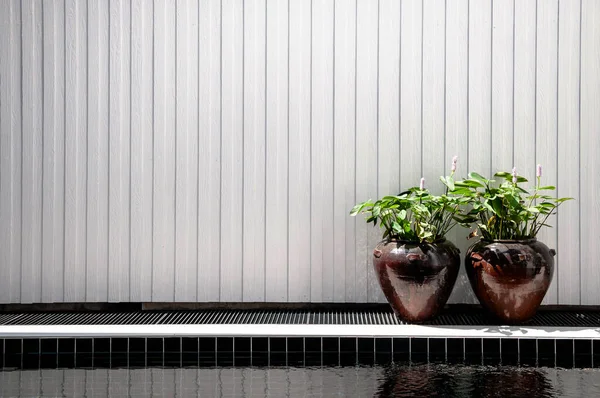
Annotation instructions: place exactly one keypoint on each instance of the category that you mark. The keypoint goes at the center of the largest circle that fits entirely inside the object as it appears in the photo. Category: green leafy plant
(506, 210)
(416, 215)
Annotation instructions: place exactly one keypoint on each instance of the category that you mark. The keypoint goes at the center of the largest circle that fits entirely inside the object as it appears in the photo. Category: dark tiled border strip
(292, 351)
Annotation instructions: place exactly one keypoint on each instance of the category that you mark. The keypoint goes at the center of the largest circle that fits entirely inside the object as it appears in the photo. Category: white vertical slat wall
(182, 150)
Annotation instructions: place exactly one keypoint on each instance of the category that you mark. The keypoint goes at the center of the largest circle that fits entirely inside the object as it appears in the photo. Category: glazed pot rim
(413, 242)
(529, 240)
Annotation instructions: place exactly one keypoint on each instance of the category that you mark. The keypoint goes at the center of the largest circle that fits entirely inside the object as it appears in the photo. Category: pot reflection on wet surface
(510, 278)
(416, 278)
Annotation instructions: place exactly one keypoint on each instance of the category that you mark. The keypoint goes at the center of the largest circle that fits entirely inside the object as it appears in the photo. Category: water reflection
(379, 381)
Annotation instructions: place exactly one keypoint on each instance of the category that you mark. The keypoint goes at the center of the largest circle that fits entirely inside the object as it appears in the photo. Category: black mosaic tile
(1, 353)
(84, 354)
(172, 352)
(295, 344)
(49, 353)
(546, 352)
(31, 353)
(509, 350)
(154, 352)
(119, 345)
(583, 353)
(312, 345)
(348, 351)
(277, 352)
(12, 353)
(278, 345)
(261, 344)
(383, 350)
(101, 355)
(418, 350)
(313, 358)
(118, 354)
(473, 351)
(596, 353)
(66, 353)
(225, 351)
(564, 353)
(259, 351)
(331, 351)
(137, 352)
(331, 345)
(366, 350)
(437, 350)
(401, 349)
(207, 355)
(455, 350)
(491, 351)
(528, 352)
(348, 345)
(312, 351)
(189, 351)
(242, 354)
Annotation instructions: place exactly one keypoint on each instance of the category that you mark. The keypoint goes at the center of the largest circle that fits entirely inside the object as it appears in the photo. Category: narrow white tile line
(273, 330)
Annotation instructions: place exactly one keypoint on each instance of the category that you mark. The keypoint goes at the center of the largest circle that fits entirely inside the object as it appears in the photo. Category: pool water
(394, 380)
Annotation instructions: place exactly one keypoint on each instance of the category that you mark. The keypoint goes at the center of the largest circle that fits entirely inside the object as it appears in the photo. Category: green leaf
(402, 214)
(478, 177)
(547, 187)
(469, 183)
(450, 182)
(533, 209)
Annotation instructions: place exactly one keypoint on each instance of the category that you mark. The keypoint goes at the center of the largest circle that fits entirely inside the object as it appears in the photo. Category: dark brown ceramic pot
(416, 278)
(510, 278)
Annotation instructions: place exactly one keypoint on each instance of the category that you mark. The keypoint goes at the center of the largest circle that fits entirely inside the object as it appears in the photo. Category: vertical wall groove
(155, 151)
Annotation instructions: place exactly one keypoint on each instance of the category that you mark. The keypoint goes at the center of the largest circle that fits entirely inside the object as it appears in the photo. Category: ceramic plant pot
(416, 278)
(510, 278)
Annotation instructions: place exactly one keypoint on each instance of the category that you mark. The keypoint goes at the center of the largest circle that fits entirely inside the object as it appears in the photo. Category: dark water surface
(375, 381)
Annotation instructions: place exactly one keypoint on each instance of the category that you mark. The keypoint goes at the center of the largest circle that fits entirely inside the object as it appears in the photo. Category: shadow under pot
(510, 277)
(416, 278)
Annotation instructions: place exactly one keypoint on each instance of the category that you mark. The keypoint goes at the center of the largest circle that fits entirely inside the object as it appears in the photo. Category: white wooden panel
(163, 239)
(389, 98)
(411, 79)
(344, 149)
(119, 151)
(434, 40)
(54, 160)
(546, 120)
(232, 172)
(141, 150)
(254, 151)
(186, 231)
(568, 262)
(525, 83)
(321, 218)
(276, 200)
(456, 119)
(388, 103)
(10, 152)
(299, 151)
(76, 96)
(480, 33)
(209, 150)
(589, 178)
(232, 150)
(366, 142)
(31, 246)
(98, 153)
(502, 86)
